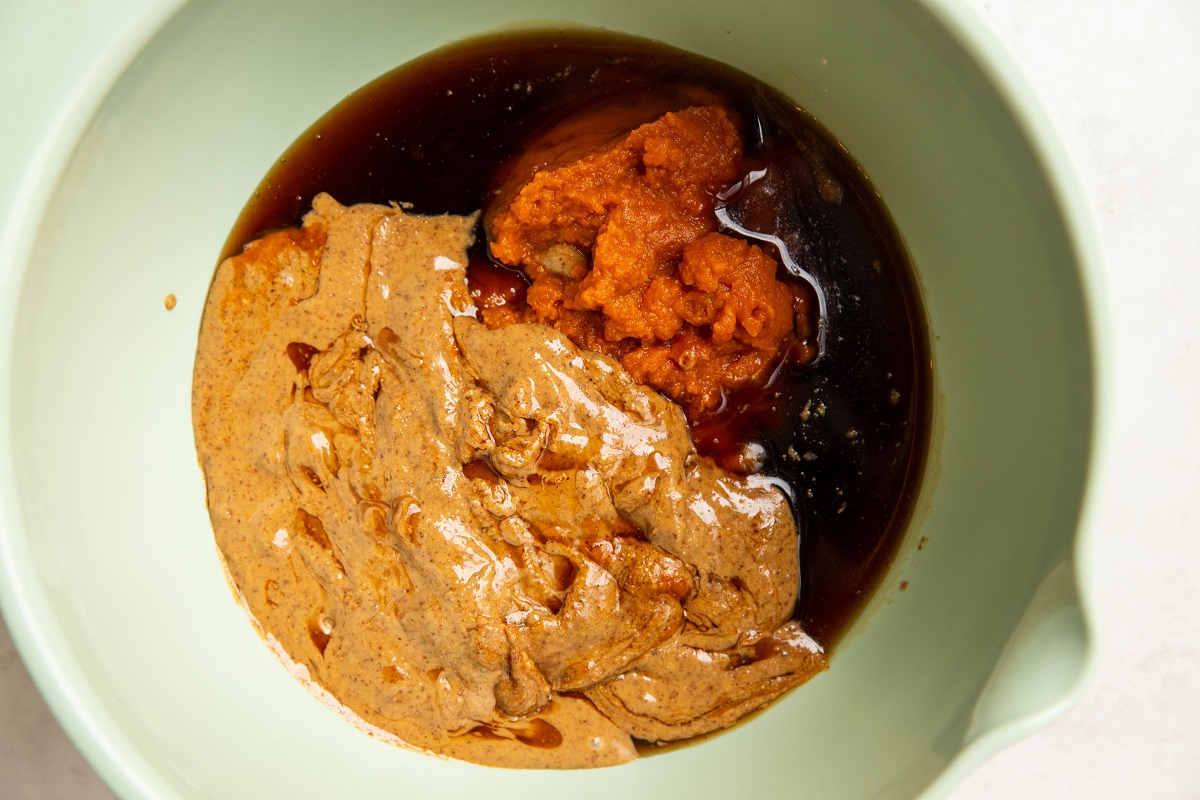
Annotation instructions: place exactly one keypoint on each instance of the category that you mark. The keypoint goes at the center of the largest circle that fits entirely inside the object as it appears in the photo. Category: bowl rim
(992, 52)
(24, 606)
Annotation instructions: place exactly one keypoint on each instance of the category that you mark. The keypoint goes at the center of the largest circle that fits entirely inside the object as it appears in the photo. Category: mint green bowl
(111, 583)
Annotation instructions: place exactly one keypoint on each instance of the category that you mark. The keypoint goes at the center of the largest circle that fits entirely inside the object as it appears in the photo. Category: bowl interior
(124, 612)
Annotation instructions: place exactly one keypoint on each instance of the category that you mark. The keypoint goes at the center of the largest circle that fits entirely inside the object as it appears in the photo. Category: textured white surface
(1123, 81)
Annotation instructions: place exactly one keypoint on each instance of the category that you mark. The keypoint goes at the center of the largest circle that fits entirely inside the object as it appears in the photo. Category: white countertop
(1123, 80)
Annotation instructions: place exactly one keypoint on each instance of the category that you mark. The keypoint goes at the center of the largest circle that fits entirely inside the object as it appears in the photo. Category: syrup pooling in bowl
(846, 433)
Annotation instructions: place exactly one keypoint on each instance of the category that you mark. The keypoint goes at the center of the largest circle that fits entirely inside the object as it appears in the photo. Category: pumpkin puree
(620, 244)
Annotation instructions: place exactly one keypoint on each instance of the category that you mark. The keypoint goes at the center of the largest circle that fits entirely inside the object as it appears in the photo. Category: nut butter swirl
(488, 544)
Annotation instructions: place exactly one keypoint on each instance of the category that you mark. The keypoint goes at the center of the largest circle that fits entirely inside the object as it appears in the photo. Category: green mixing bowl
(111, 582)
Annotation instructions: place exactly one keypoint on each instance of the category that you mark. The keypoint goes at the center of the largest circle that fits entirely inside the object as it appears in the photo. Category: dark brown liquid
(535, 733)
(847, 435)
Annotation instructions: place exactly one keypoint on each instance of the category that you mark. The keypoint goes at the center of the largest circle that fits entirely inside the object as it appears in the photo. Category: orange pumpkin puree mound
(620, 245)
